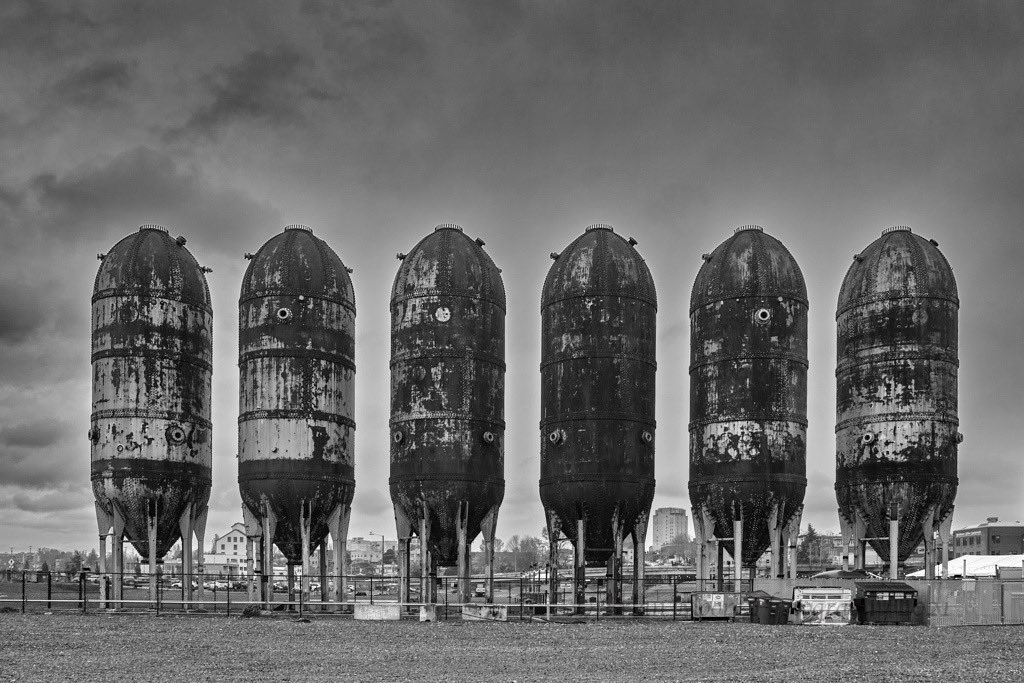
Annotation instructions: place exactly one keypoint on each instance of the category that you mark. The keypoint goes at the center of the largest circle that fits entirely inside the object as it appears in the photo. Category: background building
(231, 544)
(991, 537)
(669, 523)
(368, 549)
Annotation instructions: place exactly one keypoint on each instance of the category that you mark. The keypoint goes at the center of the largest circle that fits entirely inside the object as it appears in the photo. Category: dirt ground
(144, 647)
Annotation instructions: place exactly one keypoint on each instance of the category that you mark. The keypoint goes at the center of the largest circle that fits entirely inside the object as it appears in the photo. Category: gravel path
(66, 647)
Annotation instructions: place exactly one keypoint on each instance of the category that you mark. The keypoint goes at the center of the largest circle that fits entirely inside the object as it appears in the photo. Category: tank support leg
(323, 572)
(199, 525)
(291, 584)
(775, 518)
(118, 551)
(269, 527)
(581, 565)
(404, 528)
(928, 527)
(792, 536)
(185, 528)
(105, 522)
(337, 525)
(554, 536)
(151, 526)
(846, 534)
(894, 541)
(703, 531)
(613, 577)
(462, 531)
(305, 521)
(859, 530)
(737, 554)
(253, 532)
(639, 564)
(427, 595)
(104, 577)
(946, 538)
(487, 529)
(945, 534)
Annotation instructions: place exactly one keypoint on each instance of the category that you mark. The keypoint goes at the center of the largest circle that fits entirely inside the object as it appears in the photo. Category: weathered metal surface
(296, 321)
(598, 326)
(748, 389)
(151, 353)
(448, 391)
(896, 389)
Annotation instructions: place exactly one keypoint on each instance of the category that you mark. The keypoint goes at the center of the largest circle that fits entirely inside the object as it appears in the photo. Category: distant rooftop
(993, 522)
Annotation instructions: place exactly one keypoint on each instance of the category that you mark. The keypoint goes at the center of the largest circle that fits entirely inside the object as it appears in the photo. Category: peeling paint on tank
(748, 389)
(151, 355)
(896, 388)
(447, 390)
(598, 311)
(296, 386)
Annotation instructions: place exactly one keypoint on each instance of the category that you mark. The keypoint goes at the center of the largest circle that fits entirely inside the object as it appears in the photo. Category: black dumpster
(779, 611)
(885, 602)
(757, 605)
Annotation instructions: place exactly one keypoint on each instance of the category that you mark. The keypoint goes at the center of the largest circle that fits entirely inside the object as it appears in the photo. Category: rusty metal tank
(598, 327)
(748, 389)
(296, 359)
(151, 353)
(447, 390)
(896, 388)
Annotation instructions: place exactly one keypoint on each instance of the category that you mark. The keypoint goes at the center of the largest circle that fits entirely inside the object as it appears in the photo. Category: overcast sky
(525, 123)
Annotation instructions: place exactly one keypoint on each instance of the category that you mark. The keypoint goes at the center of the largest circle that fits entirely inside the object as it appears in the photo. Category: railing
(524, 597)
(949, 602)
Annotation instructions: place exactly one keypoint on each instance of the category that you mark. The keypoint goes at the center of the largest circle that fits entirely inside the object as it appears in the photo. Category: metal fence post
(675, 595)
(23, 572)
(49, 588)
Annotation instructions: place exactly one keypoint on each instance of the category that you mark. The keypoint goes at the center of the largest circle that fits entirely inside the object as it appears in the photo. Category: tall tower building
(669, 523)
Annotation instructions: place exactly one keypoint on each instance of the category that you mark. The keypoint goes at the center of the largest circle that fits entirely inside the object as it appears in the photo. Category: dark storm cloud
(100, 83)
(264, 86)
(35, 434)
(37, 468)
(369, 42)
(139, 185)
(39, 26)
(20, 312)
(53, 501)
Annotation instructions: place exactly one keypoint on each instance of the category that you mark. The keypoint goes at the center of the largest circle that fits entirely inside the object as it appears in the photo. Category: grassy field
(68, 647)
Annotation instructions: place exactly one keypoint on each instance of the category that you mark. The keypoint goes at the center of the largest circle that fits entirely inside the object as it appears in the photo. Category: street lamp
(381, 551)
